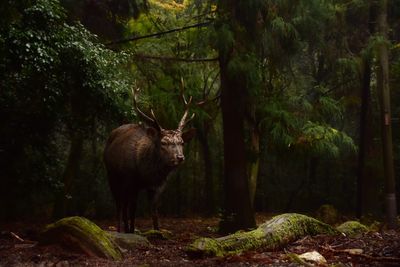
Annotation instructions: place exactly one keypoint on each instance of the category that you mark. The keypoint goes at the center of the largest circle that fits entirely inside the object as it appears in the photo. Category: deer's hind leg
(132, 211)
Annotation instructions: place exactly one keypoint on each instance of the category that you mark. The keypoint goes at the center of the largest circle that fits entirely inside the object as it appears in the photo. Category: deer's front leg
(154, 195)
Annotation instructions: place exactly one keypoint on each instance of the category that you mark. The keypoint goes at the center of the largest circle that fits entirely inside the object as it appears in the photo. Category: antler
(150, 120)
(183, 121)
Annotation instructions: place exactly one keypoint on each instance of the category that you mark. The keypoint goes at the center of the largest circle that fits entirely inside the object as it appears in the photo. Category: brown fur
(140, 158)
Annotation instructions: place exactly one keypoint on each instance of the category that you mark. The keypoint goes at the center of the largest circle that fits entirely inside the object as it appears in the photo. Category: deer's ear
(188, 135)
(152, 133)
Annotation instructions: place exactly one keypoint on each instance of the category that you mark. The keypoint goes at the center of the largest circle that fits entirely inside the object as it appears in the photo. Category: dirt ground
(18, 247)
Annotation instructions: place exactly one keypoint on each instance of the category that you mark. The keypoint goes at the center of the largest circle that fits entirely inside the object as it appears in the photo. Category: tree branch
(141, 56)
(135, 38)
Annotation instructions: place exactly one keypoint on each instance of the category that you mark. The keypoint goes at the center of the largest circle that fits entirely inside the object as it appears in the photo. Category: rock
(273, 234)
(313, 256)
(129, 241)
(308, 259)
(352, 228)
(79, 233)
(327, 214)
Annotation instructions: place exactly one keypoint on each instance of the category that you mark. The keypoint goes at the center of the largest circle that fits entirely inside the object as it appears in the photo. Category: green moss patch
(275, 233)
(352, 228)
(80, 234)
(157, 234)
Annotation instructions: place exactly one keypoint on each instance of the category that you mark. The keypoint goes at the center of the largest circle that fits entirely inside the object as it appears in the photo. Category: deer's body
(132, 156)
(139, 157)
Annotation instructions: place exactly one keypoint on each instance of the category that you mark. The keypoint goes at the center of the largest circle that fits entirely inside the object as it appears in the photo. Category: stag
(140, 157)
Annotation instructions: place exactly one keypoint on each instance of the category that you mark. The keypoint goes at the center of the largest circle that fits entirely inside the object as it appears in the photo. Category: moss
(327, 214)
(352, 228)
(157, 234)
(273, 234)
(296, 259)
(205, 247)
(80, 233)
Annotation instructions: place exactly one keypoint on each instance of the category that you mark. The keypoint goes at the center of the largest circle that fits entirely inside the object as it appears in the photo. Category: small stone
(313, 256)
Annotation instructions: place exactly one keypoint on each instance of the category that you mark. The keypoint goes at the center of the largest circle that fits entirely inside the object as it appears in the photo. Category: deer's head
(170, 142)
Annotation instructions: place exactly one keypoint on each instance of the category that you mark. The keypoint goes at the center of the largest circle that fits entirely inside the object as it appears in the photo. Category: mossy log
(273, 234)
(78, 233)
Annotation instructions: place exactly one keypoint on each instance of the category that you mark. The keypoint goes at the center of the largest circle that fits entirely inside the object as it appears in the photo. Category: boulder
(352, 228)
(78, 233)
(129, 241)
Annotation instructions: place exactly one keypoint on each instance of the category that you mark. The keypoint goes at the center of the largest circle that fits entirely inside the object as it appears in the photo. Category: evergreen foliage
(58, 80)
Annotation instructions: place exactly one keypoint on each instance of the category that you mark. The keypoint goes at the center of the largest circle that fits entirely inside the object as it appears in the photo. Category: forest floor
(18, 248)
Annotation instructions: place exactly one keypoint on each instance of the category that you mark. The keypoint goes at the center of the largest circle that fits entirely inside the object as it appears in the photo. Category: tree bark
(384, 95)
(209, 207)
(70, 173)
(238, 213)
(255, 162)
(367, 171)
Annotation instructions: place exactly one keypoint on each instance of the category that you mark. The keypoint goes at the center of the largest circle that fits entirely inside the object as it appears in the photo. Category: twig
(16, 237)
(365, 256)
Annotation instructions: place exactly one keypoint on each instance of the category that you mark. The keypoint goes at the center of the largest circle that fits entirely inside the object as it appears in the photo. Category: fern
(324, 140)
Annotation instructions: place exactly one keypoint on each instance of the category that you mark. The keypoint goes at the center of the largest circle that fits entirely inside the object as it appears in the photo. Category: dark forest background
(308, 72)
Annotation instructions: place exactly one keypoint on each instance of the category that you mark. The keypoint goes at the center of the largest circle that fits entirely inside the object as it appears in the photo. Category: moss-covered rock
(327, 214)
(79, 233)
(129, 241)
(157, 234)
(352, 228)
(275, 233)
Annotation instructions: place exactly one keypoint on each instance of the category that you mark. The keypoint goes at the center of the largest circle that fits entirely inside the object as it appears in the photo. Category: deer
(140, 157)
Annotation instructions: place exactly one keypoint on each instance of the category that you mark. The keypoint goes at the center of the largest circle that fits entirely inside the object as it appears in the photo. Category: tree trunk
(70, 173)
(254, 158)
(239, 213)
(366, 174)
(384, 95)
(209, 203)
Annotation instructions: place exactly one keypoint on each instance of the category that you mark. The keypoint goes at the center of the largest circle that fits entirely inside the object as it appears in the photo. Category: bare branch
(135, 38)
